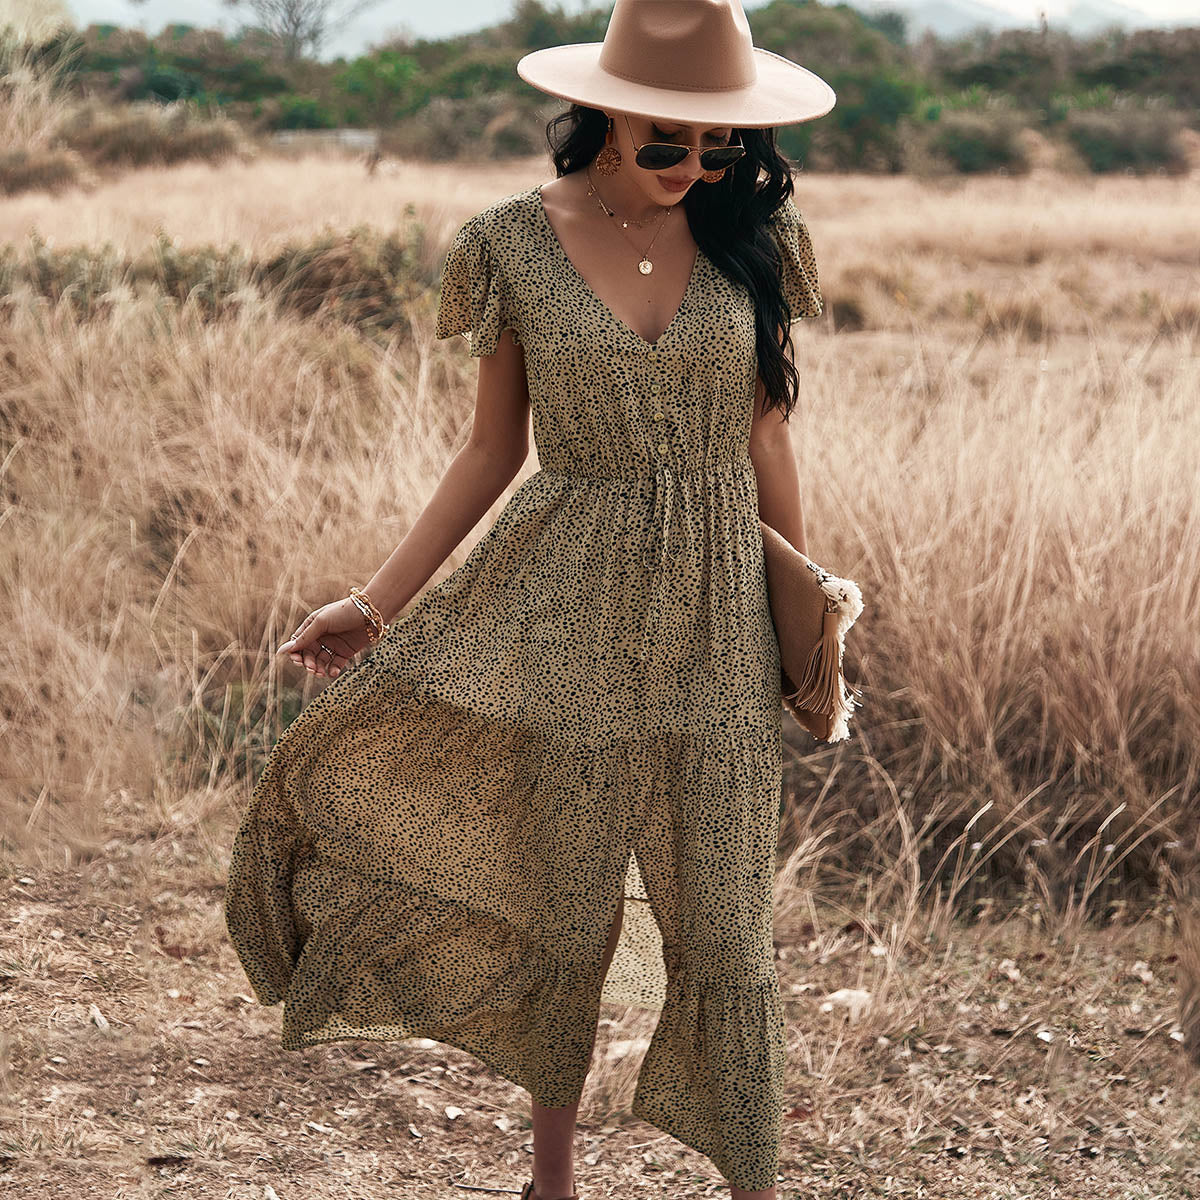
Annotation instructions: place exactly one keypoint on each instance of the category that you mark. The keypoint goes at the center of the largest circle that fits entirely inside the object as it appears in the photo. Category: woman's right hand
(328, 638)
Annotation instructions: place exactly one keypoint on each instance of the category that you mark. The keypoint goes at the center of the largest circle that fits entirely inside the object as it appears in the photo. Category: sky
(422, 19)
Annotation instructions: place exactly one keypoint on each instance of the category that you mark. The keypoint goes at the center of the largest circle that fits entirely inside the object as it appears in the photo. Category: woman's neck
(625, 198)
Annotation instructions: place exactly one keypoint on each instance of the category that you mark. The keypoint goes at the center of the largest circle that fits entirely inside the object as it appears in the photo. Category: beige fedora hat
(691, 61)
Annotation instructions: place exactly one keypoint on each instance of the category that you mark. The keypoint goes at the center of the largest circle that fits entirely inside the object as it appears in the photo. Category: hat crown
(685, 45)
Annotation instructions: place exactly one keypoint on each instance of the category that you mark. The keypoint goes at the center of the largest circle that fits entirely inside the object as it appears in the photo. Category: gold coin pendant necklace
(644, 264)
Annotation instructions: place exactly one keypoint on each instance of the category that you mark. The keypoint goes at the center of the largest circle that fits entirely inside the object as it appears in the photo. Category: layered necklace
(645, 266)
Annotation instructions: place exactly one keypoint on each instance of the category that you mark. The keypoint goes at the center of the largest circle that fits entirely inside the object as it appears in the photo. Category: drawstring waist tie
(668, 530)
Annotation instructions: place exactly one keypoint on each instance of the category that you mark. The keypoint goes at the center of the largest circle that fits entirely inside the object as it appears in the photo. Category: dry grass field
(986, 906)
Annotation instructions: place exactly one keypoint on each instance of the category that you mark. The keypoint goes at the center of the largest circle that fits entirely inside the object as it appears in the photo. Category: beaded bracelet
(376, 627)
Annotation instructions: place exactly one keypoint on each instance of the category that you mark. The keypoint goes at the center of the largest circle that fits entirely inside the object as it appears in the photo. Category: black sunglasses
(658, 156)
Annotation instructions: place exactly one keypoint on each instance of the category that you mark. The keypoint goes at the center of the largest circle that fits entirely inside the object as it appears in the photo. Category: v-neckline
(687, 291)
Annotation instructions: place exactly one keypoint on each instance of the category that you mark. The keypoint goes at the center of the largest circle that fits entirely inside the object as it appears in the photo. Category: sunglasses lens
(658, 156)
(721, 156)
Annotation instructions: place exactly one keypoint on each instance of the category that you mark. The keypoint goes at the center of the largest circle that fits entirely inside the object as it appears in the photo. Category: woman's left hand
(328, 638)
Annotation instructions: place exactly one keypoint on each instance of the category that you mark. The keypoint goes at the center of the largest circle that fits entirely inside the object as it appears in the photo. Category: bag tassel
(822, 687)
(817, 688)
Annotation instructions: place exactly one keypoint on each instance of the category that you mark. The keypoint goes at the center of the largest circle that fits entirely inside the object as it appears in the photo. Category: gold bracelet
(374, 631)
(371, 614)
(376, 626)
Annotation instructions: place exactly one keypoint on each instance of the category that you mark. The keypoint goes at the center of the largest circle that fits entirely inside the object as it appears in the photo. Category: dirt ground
(996, 1062)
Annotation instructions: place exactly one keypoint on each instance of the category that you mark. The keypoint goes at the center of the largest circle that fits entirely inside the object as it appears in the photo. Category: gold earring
(608, 161)
(714, 176)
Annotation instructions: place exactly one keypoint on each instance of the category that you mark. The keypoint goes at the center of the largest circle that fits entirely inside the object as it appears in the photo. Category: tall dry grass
(1017, 500)
(1036, 256)
(33, 102)
(33, 105)
(1020, 511)
(981, 896)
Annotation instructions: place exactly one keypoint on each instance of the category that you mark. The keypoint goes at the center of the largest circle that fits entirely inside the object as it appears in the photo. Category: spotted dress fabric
(588, 708)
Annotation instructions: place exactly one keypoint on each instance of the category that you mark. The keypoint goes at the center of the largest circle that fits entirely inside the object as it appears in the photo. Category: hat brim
(784, 93)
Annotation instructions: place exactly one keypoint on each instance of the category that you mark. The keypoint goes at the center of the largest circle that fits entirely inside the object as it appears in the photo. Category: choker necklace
(645, 266)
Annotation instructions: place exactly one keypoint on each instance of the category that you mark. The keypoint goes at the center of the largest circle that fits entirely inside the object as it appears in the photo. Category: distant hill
(954, 18)
(1094, 16)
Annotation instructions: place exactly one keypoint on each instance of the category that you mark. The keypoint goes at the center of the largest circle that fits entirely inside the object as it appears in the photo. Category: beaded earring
(608, 161)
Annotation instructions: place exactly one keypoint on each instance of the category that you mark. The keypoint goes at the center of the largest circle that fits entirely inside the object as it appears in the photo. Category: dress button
(662, 447)
(654, 387)
(660, 416)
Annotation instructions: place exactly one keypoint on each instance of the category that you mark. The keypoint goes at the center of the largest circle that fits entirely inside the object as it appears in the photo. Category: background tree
(299, 26)
(381, 88)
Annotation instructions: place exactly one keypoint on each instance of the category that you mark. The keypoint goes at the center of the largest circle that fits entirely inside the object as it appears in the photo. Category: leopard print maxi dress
(588, 707)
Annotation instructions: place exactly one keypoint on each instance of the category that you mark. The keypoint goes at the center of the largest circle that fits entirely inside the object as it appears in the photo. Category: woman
(566, 756)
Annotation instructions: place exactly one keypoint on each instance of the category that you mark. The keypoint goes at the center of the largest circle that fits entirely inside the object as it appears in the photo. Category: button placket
(668, 525)
(658, 415)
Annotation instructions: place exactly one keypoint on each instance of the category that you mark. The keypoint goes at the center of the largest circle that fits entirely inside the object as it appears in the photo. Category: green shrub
(862, 132)
(166, 84)
(975, 141)
(1019, 62)
(1134, 139)
(181, 62)
(975, 98)
(477, 73)
(304, 112)
(1144, 62)
(381, 88)
(1062, 105)
(876, 88)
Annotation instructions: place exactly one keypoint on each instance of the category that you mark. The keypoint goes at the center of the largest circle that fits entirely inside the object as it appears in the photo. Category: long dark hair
(728, 219)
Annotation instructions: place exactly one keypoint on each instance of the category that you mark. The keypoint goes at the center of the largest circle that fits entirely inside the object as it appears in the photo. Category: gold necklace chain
(645, 266)
(625, 221)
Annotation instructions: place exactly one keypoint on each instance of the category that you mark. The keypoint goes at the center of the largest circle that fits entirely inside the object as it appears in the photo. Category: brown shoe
(527, 1193)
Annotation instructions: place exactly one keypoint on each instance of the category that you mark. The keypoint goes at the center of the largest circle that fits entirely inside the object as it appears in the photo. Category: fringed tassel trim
(821, 687)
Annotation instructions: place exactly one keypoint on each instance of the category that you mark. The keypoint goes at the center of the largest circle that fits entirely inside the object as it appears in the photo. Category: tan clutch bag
(811, 610)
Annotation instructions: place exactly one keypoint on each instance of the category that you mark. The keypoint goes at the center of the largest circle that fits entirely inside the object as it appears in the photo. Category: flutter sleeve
(800, 283)
(473, 300)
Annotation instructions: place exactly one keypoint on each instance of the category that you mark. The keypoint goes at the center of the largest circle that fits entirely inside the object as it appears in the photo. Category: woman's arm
(776, 472)
(478, 474)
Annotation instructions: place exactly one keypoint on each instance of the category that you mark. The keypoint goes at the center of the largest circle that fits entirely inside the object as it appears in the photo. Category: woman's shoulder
(501, 221)
(787, 215)
(798, 263)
